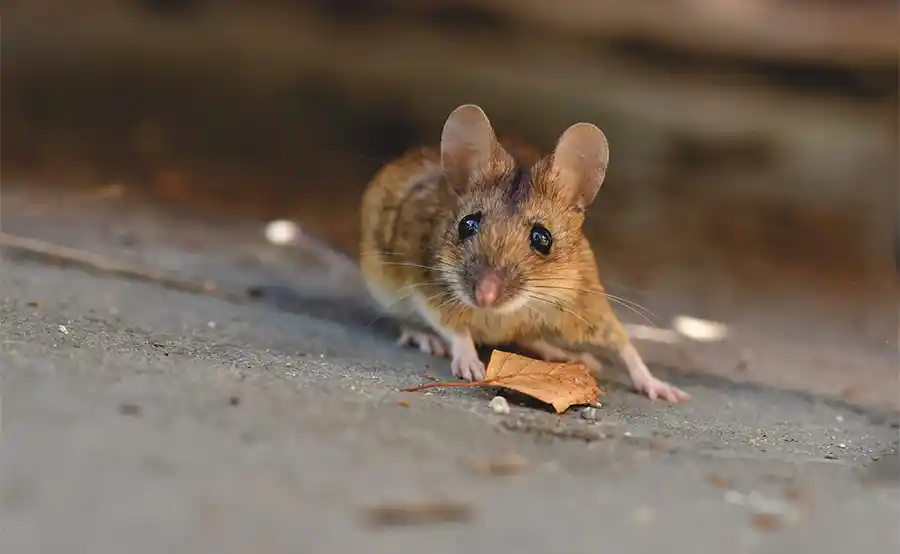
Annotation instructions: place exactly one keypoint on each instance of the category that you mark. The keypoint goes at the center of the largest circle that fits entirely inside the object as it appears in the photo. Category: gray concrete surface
(140, 419)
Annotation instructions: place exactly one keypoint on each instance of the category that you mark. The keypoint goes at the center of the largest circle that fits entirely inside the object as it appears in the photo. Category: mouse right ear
(580, 161)
(467, 145)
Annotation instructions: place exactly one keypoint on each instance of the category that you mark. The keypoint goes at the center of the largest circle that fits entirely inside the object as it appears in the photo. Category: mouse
(476, 243)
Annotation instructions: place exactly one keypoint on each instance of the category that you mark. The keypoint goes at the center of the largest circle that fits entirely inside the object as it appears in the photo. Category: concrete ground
(137, 418)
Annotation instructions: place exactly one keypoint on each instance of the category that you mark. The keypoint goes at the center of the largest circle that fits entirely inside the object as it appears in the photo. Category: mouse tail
(337, 263)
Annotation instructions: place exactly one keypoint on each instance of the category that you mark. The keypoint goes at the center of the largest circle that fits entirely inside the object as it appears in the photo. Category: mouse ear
(467, 144)
(579, 161)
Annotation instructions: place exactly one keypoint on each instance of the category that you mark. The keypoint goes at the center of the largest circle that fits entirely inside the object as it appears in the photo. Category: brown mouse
(469, 245)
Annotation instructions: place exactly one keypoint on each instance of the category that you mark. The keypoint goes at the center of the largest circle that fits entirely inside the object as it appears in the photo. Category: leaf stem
(483, 382)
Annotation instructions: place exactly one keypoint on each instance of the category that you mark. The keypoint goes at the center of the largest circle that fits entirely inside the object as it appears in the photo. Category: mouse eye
(541, 239)
(468, 225)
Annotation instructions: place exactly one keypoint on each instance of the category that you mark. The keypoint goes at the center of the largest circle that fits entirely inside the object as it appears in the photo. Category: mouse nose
(488, 288)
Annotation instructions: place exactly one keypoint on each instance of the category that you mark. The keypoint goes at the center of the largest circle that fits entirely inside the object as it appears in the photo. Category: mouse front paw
(469, 367)
(428, 343)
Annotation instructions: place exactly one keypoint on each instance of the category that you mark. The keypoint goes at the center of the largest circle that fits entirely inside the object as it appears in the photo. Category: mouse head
(516, 238)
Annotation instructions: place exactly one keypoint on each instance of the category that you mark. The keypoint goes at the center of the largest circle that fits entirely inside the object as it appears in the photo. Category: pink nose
(488, 289)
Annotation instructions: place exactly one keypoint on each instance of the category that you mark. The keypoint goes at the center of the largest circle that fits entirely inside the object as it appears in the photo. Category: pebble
(63, 330)
(282, 231)
(499, 405)
(589, 413)
(700, 329)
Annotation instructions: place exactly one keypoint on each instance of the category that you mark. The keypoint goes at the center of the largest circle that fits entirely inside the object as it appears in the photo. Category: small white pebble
(627, 433)
(499, 405)
(699, 329)
(281, 231)
(212, 324)
(321, 355)
(63, 330)
(734, 497)
(842, 445)
(589, 413)
(839, 418)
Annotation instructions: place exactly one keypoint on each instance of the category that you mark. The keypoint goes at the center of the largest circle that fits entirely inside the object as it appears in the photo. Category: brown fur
(415, 264)
(409, 235)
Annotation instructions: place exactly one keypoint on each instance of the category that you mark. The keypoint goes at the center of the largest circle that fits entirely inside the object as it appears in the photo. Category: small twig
(483, 383)
(437, 511)
(96, 263)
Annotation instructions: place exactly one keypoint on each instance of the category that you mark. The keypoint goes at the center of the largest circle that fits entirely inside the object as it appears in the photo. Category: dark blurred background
(755, 140)
(766, 129)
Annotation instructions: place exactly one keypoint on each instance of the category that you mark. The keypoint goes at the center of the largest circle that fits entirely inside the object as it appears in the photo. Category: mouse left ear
(468, 145)
(580, 161)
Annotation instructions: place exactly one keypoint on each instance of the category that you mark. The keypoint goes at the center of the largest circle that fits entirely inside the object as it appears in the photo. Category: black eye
(541, 239)
(468, 225)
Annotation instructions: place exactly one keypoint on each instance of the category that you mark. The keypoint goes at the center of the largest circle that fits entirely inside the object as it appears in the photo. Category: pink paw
(468, 367)
(653, 388)
(428, 343)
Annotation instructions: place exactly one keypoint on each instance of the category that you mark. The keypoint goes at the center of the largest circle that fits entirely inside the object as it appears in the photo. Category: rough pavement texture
(836, 343)
(141, 419)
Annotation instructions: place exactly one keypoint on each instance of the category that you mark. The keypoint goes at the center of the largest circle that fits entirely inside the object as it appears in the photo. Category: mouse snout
(489, 287)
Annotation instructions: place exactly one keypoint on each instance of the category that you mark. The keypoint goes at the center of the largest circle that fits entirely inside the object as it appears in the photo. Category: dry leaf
(559, 384)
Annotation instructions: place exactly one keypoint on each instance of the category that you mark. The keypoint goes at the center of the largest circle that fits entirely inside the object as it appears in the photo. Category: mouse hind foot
(646, 383)
(428, 343)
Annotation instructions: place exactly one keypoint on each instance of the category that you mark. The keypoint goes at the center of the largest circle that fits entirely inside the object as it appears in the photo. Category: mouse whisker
(452, 304)
(379, 253)
(447, 302)
(603, 292)
(430, 267)
(635, 307)
(530, 293)
(387, 310)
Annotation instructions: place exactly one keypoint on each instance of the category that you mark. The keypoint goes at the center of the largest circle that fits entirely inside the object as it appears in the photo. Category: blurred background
(754, 152)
